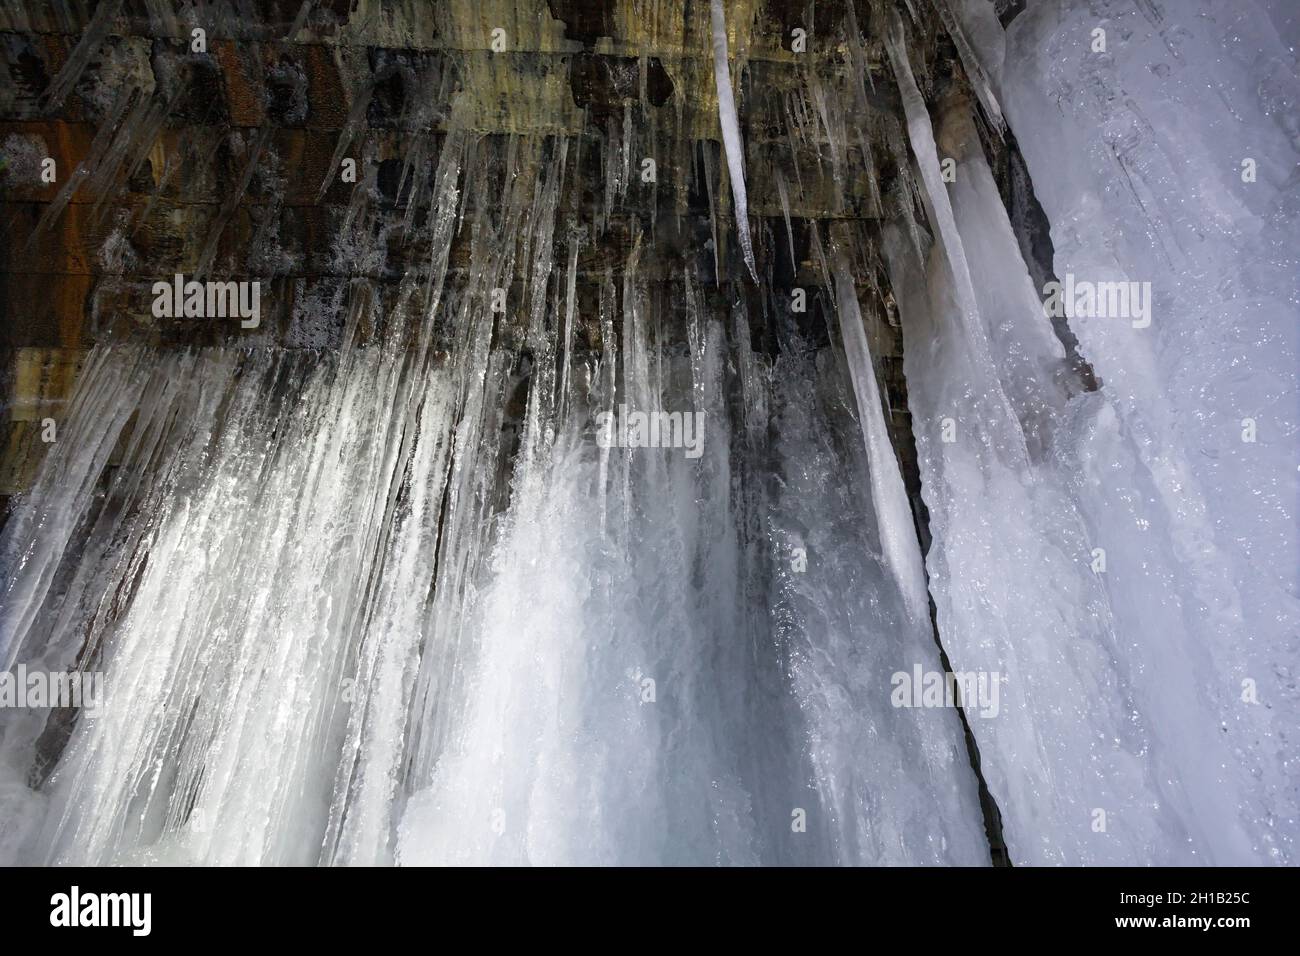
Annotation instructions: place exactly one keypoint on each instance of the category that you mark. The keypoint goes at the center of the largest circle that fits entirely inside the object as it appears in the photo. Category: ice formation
(1136, 578)
(404, 602)
(730, 122)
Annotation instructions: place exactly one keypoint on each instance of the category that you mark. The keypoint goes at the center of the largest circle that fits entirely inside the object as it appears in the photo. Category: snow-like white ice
(1135, 580)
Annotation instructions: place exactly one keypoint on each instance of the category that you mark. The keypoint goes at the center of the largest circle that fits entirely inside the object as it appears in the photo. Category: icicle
(613, 165)
(784, 193)
(299, 21)
(797, 120)
(832, 121)
(136, 136)
(575, 240)
(91, 38)
(706, 153)
(36, 538)
(906, 195)
(626, 150)
(654, 184)
(695, 336)
(731, 132)
(609, 373)
(356, 117)
(974, 72)
(357, 242)
(99, 147)
(232, 201)
(636, 362)
(900, 549)
(413, 178)
(541, 394)
(861, 71)
(791, 128)
(858, 59)
(921, 136)
(471, 171)
(642, 82)
(819, 254)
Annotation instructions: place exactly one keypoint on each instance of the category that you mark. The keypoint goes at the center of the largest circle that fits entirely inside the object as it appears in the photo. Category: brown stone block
(24, 143)
(56, 50)
(327, 99)
(305, 160)
(121, 239)
(67, 245)
(42, 381)
(21, 454)
(120, 309)
(169, 238)
(242, 70)
(23, 60)
(43, 310)
(199, 163)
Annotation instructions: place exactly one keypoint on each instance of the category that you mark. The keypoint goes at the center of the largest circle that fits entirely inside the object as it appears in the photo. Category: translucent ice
(731, 131)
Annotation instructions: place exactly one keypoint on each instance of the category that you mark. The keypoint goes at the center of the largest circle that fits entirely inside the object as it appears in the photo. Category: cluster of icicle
(344, 620)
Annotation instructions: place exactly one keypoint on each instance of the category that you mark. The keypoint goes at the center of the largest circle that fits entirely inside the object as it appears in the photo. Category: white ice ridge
(731, 132)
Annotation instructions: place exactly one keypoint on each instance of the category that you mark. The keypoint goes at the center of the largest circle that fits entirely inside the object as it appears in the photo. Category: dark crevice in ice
(910, 468)
(1033, 233)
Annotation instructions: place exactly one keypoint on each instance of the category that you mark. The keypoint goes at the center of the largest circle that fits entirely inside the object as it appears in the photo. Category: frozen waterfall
(583, 553)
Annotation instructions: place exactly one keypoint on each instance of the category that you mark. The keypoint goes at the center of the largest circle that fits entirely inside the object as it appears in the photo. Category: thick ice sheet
(1157, 691)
